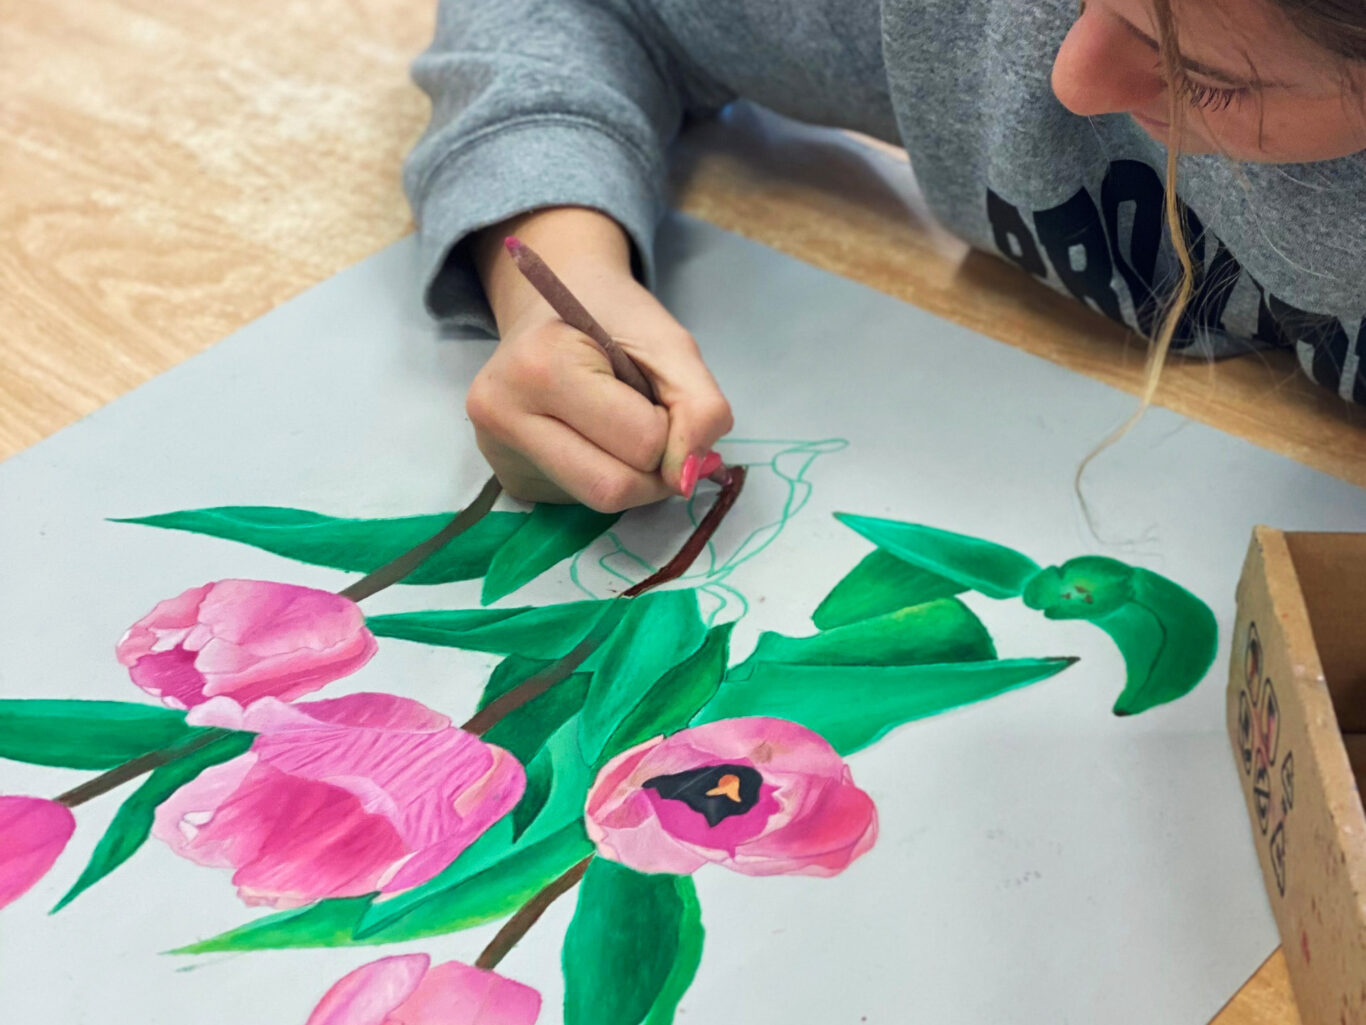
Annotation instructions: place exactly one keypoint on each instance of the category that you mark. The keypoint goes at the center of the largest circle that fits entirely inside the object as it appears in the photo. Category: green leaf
(496, 892)
(686, 960)
(349, 544)
(659, 631)
(551, 534)
(133, 821)
(1187, 640)
(524, 730)
(508, 675)
(940, 631)
(546, 632)
(1167, 635)
(1084, 588)
(629, 933)
(538, 778)
(86, 734)
(854, 706)
(881, 583)
(992, 569)
(328, 923)
(563, 807)
(672, 702)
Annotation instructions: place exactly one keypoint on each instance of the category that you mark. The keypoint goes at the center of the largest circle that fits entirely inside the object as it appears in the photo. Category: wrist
(588, 250)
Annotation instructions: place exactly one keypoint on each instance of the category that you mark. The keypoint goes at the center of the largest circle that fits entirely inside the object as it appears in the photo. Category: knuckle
(481, 403)
(609, 493)
(645, 449)
(649, 452)
(684, 342)
(716, 416)
(530, 369)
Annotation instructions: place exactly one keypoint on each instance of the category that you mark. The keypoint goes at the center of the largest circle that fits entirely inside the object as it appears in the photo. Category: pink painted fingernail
(710, 464)
(687, 480)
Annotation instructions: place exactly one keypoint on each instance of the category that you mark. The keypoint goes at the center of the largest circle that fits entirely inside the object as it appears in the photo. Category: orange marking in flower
(727, 786)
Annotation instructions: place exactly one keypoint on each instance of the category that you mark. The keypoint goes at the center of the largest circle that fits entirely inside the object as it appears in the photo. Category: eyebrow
(1203, 70)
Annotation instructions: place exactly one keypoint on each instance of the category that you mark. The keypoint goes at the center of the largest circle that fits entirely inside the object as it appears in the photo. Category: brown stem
(692, 548)
(134, 768)
(396, 569)
(516, 927)
(536, 685)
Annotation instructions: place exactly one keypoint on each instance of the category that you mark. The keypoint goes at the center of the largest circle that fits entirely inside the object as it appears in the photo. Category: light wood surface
(172, 169)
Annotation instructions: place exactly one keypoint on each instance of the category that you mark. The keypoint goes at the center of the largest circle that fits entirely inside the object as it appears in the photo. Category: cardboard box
(1297, 718)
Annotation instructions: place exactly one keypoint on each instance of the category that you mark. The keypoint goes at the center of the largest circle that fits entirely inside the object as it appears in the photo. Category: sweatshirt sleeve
(541, 103)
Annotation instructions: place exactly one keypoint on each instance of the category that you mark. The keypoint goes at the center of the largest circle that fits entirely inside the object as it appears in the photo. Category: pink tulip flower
(246, 639)
(339, 798)
(760, 796)
(405, 990)
(33, 832)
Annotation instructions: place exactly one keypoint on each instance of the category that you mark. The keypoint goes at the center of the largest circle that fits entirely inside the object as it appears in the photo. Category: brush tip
(512, 244)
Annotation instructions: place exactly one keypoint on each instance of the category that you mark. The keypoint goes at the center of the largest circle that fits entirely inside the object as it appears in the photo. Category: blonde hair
(1336, 26)
(1180, 299)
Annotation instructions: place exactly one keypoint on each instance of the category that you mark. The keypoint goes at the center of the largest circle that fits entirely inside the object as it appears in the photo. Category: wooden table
(172, 169)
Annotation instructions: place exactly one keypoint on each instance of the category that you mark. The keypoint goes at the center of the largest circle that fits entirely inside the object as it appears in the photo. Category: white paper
(1040, 861)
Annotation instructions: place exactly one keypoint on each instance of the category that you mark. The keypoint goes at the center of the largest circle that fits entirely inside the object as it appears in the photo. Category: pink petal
(223, 712)
(290, 841)
(428, 824)
(174, 616)
(313, 841)
(810, 818)
(33, 832)
(646, 847)
(341, 797)
(837, 825)
(170, 676)
(279, 639)
(178, 819)
(376, 712)
(246, 638)
(768, 744)
(367, 995)
(612, 787)
(456, 994)
(446, 785)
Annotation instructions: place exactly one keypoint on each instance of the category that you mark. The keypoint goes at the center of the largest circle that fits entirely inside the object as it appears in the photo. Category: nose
(1104, 69)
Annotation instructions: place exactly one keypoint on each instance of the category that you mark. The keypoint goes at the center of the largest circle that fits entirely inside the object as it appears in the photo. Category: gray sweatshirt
(575, 102)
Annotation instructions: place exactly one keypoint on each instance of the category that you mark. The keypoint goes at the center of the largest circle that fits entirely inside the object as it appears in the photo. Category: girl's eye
(1209, 97)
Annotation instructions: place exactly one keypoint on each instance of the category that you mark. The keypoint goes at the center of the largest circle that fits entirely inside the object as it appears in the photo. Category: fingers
(519, 476)
(699, 414)
(557, 426)
(561, 373)
(612, 415)
(550, 461)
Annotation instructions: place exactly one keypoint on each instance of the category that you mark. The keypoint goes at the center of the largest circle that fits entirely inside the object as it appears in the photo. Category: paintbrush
(568, 308)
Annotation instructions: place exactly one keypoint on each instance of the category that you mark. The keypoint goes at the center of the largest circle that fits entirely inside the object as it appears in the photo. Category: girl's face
(1253, 87)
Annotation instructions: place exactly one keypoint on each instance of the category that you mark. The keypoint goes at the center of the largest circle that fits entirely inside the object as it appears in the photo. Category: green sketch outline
(712, 580)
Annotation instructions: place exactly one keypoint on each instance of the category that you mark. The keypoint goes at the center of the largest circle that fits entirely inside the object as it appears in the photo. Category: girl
(1047, 134)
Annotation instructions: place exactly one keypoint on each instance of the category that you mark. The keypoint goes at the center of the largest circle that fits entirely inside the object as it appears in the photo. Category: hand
(557, 426)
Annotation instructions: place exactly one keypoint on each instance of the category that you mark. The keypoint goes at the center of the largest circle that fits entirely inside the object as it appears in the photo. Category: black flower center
(716, 792)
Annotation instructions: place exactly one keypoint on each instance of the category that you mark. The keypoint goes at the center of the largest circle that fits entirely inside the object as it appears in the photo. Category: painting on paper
(616, 749)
